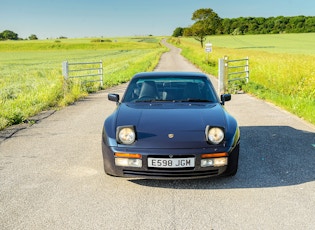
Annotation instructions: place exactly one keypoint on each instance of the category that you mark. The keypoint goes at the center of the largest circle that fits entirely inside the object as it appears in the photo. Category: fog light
(222, 161)
(215, 162)
(127, 162)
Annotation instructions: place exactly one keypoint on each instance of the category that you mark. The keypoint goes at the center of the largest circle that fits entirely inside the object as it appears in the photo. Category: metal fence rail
(90, 69)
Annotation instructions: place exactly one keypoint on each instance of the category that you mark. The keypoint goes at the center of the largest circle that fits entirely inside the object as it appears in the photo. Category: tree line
(270, 25)
(208, 22)
(10, 35)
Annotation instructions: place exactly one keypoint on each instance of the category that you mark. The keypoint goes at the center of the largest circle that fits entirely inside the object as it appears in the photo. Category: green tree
(280, 24)
(226, 26)
(207, 22)
(297, 24)
(310, 24)
(199, 32)
(33, 37)
(188, 32)
(253, 26)
(9, 35)
(178, 32)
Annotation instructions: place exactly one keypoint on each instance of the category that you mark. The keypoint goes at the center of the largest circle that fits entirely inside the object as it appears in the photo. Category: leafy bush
(101, 40)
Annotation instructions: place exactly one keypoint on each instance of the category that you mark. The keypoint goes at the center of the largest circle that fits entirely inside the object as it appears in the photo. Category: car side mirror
(225, 97)
(113, 97)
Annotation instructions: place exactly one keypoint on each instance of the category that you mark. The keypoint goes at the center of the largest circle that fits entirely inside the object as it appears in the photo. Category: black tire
(233, 162)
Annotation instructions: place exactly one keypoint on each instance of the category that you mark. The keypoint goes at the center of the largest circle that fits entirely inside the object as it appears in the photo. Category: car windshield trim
(153, 100)
(196, 100)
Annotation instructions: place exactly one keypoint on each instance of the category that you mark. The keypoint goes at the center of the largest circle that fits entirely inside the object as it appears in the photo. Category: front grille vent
(171, 173)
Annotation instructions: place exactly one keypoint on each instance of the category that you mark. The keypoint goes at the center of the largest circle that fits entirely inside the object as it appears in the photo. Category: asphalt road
(51, 174)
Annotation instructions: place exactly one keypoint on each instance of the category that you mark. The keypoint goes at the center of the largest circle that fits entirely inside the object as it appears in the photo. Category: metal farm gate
(91, 70)
(231, 71)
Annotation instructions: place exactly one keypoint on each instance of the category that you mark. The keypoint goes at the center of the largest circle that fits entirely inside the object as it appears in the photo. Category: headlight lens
(126, 135)
(215, 135)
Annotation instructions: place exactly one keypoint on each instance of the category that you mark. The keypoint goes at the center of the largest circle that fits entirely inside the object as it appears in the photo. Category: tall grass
(284, 78)
(31, 75)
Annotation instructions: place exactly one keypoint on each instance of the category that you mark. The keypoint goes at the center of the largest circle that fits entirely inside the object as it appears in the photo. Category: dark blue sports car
(170, 125)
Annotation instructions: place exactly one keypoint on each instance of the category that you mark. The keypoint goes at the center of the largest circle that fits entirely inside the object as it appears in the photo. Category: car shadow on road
(270, 156)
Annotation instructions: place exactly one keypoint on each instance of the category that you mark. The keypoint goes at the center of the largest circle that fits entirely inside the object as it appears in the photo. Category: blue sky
(117, 18)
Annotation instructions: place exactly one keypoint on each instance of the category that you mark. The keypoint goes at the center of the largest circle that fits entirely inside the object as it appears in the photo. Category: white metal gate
(232, 70)
(83, 70)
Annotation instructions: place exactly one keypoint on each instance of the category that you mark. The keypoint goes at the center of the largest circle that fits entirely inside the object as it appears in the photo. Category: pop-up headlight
(126, 135)
(214, 135)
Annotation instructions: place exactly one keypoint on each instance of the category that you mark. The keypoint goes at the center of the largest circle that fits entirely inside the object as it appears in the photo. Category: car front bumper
(144, 171)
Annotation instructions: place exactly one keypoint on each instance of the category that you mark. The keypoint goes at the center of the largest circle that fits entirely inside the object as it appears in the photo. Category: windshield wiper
(153, 100)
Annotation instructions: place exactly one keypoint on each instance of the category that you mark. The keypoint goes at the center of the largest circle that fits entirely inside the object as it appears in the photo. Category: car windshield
(170, 89)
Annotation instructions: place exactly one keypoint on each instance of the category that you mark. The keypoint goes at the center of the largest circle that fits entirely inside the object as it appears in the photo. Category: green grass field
(281, 66)
(274, 43)
(31, 71)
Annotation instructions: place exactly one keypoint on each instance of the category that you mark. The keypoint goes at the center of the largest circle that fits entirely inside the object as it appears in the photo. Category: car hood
(171, 125)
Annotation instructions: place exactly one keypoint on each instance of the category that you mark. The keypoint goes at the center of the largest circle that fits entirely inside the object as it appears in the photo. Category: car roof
(169, 74)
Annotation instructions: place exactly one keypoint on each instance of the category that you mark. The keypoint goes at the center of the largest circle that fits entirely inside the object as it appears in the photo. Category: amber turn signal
(128, 155)
(212, 155)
